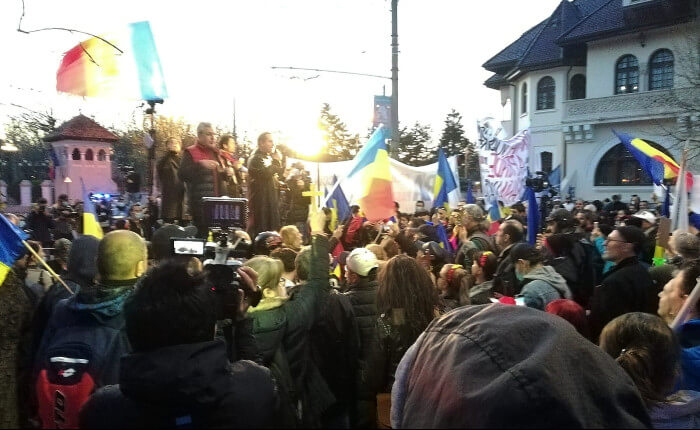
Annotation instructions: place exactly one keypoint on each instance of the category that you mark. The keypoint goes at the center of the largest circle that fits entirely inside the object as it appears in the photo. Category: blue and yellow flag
(444, 182)
(91, 227)
(11, 246)
(339, 206)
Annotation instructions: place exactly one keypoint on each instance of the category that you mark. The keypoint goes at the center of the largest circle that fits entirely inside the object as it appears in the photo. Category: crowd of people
(439, 318)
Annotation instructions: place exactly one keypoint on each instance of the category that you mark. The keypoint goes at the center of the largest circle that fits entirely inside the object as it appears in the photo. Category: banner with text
(503, 162)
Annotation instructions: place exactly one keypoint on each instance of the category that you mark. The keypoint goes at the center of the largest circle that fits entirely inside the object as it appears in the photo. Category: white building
(598, 65)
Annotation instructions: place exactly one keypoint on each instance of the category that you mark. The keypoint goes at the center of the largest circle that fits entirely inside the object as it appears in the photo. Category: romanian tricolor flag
(126, 67)
(339, 206)
(495, 213)
(91, 227)
(372, 167)
(11, 246)
(657, 164)
(445, 184)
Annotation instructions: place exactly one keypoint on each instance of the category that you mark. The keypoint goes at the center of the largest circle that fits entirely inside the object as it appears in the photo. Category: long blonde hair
(269, 272)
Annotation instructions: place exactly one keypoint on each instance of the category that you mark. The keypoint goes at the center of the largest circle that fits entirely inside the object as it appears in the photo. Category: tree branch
(70, 30)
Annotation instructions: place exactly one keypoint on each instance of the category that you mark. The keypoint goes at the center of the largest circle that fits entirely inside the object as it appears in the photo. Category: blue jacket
(689, 335)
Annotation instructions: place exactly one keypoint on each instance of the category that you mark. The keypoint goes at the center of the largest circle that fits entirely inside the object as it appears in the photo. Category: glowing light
(308, 142)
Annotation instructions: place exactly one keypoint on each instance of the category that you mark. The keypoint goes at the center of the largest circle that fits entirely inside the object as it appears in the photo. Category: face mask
(519, 276)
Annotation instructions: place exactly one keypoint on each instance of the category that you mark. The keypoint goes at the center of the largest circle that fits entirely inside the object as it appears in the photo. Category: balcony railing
(625, 107)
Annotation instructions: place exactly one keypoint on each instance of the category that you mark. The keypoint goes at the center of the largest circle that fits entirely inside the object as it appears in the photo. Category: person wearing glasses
(203, 174)
(627, 287)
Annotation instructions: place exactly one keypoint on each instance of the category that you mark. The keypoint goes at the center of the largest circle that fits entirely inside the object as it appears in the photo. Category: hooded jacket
(500, 366)
(680, 411)
(542, 285)
(190, 385)
(689, 336)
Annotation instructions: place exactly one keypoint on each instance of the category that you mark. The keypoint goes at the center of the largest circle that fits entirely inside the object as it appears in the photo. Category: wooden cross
(314, 202)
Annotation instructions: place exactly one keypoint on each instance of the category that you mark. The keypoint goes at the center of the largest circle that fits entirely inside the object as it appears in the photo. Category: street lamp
(67, 181)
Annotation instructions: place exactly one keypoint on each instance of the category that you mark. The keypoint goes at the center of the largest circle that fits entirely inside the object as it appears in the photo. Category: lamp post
(67, 181)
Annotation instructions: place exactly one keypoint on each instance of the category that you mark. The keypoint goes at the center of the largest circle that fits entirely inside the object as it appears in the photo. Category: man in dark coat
(40, 223)
(171, 187)
(202, 172)
(264, 170)
(178, 375)
(625, 288)
(509, 234)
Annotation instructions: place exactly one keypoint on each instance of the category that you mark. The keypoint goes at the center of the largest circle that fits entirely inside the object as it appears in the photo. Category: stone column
(25, 193)
(3, 191)
(47, 191)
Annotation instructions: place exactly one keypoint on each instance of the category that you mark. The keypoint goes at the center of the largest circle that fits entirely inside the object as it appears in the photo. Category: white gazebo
(83, 150)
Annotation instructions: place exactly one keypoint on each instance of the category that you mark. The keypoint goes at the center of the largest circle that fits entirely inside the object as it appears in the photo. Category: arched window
(88, 155)
(546, 161)
(618, 167)
(661, 70)
(76, 154)
(523, 98)
(627, 75)
(102, 155)
(577, 87)
(545, 93)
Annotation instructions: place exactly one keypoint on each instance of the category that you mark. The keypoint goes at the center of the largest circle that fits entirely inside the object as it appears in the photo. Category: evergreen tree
(452, 140)
(415, 148)
(340, 143)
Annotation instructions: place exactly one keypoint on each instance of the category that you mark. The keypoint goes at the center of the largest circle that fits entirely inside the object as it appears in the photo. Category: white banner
(503, 162)
(409, 183)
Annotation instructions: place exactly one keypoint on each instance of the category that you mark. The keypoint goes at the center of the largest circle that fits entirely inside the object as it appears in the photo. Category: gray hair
(202, 126)
(687, 245)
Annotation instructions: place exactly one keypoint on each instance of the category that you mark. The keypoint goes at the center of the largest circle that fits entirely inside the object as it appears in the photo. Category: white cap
(590, 207)
(361, 261)
(646, 216)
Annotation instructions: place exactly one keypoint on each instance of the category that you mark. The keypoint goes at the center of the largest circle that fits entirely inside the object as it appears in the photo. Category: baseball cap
(361, 261)
(646, 216)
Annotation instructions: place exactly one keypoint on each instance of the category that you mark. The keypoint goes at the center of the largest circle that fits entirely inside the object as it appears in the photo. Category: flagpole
(47, 267)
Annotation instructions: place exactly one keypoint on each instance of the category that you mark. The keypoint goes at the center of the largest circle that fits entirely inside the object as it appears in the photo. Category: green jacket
(287, 323)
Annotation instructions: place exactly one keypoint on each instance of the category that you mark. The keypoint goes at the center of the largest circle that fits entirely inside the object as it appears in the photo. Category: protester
(360, 275)
(406, 302)
(648, 350)
(289, 275)
(177, 374)
(449, 284)
(202, 173)
(265, 169)
(650, 229)
(541, 284)
(232, 167)
(390, 246)
(136, 217)
(266, 241)
(39, 223)
(61, 251)
(433, 257)
(297, 203)
(510, 232)
(15, 339)
(572, 312)
(627, 286)
(37, 280)
(291, 238)
(483, 270)
(472, 235)
(498, 366)
(671, 299)
(88, 328)
(335, 347)
(682, 247)
(281, 329)
(172, 187)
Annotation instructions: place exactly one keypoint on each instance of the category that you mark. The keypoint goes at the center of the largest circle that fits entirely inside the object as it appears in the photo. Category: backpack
(71, 367)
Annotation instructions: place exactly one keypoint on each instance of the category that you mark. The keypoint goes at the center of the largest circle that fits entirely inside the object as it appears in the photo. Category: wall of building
(97, 175)
(603, 55)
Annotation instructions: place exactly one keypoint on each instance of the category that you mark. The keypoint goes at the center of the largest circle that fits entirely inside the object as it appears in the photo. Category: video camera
(539, 182)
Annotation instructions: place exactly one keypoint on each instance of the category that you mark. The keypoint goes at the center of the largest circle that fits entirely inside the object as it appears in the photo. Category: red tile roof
(81, 128)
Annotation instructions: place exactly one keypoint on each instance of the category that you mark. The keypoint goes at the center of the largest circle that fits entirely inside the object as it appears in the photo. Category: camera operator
(178, 375)
(40, 223)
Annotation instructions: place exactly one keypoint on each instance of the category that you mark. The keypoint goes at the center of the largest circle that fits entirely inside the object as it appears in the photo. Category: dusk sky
(214, 51)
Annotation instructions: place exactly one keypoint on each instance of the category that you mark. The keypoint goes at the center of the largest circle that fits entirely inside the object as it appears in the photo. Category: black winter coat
(171, 186)
(263, 191)
(363, 298)
(504, 280)
(625, 288)
(190, 385)
(200, 183)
